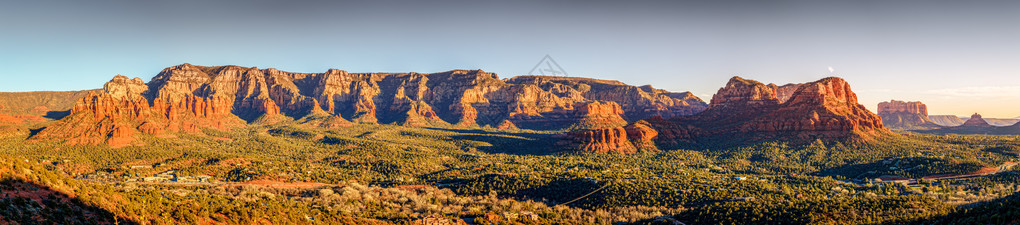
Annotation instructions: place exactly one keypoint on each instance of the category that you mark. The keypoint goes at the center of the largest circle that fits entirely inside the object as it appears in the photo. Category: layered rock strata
(188, 98)
(905, 115)
(748, 111)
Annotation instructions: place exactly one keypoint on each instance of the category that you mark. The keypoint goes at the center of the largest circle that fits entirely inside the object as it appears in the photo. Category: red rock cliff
(114, 116)
(748, 110)
(187, 98)
(893, 106)
(602, 140)
(905, 115)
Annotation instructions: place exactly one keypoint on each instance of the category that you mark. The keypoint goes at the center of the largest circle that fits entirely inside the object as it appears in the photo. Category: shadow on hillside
(508, 142)
(1005, 210)
(57, 115)
(993, 130)
(711, 143)
(32, 132)
(26, 202)
(857, 171)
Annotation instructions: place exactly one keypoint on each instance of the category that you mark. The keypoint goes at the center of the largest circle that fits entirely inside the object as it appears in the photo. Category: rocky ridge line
(189, 98)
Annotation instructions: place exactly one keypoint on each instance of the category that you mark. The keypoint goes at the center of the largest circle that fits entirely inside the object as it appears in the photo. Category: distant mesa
(946, 120)
(190, 99)
(1001, 122)
(976, 124)
(748, 111)
(905, 115)
(30, 108)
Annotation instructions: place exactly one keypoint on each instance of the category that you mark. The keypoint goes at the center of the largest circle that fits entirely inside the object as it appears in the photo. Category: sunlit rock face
(189, 98)
(905, 115)
(747, 110)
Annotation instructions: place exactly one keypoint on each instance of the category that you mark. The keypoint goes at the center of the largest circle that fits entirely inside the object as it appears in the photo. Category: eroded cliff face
(739, 101)
(189, 98)
(601, 140)
(629, 139)
(120, 111)
(747, 110)
(636, 102)
(894, 106)
(905, 115)
(785, 92)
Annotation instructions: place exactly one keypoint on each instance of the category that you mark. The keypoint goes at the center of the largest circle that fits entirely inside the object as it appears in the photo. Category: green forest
(291, 173)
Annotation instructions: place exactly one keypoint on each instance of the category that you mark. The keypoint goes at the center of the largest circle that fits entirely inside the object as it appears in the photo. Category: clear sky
(959, 57)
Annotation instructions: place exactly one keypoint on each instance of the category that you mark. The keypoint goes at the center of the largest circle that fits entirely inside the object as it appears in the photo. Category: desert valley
(456, 112)
(247, 145)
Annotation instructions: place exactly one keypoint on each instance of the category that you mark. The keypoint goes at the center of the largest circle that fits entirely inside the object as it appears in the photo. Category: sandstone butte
(188, 98)
(905, 115)
(976, 121)
(978, 125)
(748, 111)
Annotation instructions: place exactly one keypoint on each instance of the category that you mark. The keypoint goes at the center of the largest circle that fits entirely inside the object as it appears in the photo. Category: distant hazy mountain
(946, 120)
(975, 124)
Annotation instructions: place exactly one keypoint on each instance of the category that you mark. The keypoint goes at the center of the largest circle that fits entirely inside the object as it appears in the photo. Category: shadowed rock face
(748, 110)
(905, 115)
(188, 98)
(785, 92)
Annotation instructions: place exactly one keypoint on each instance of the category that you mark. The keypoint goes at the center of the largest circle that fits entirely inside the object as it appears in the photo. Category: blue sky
(957, 57)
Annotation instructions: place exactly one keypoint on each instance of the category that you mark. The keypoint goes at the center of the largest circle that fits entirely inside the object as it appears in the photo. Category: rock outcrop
(638, 136)
(975, 121)
(636, 102)
(120, 111)
(602, 140)
(642, 135)
(506, 125)
(747, 111)
(189, 98)
(905, 115)
(785, 92)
